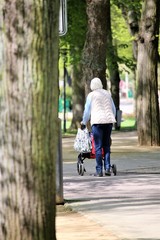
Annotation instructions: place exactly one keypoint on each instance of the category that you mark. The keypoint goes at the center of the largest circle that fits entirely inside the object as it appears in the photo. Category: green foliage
(77, 25)
(129, 5)
(121, 38)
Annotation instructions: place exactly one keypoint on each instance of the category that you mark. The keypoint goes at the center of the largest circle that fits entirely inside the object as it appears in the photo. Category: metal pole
(59, 169)
(64, 97)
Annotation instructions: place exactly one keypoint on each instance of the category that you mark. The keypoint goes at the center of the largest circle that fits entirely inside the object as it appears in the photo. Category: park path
(126, 206)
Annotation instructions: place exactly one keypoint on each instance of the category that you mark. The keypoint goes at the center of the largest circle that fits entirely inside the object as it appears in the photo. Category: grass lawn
(128, 123)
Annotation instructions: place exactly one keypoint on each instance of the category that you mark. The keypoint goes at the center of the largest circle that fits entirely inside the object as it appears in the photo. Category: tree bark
(94, 52)
(134, 28)
(112, 63)
(29, 113)
(148, 121)
(131, 15)
(78, 98)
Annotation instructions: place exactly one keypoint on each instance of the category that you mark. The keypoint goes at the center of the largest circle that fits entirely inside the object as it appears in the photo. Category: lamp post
(64, 96)
(64, 56)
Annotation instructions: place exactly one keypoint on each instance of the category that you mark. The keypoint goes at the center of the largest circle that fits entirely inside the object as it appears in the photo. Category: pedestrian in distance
(100, 111)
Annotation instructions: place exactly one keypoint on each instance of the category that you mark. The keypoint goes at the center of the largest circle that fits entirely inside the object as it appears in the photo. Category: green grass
(68, 124)
(128, 123)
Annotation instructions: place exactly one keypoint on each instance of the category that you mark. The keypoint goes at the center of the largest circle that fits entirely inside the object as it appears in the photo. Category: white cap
(96, 84)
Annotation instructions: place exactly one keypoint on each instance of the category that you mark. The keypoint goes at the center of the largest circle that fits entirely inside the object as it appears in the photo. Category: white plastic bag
(82, 142)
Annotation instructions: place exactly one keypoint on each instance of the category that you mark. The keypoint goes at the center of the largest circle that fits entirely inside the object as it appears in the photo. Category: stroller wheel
(80, 165)
(114, 169)
(80, 168)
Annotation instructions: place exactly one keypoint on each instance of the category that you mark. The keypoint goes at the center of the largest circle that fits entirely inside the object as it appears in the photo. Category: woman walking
(100, 111)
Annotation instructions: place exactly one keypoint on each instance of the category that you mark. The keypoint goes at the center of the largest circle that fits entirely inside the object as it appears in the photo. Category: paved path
(72, 225)
(126, 206)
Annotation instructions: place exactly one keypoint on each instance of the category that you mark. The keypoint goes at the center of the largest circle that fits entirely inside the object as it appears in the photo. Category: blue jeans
(102, 134)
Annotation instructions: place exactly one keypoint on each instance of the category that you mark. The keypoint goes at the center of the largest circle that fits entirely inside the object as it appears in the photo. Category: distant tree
(74, 42)
(94, 51)
(120, 52)
(131, 12)
(78, 96)
(112, 64)
(148, 119)
(29, 120)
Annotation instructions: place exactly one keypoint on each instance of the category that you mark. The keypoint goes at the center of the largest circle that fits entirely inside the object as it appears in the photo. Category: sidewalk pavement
(121, 207)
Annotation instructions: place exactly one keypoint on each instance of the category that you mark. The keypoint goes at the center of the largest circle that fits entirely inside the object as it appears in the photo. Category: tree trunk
(94, 52)
(134, 28)
(148, 121)
(78, 98)
(29, 113)
(112, 63)
(131, 15)
(132, 20)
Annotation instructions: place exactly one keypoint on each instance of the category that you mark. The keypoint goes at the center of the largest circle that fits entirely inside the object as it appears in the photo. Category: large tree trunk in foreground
(148, 121)
(94, 52)
(29, 107)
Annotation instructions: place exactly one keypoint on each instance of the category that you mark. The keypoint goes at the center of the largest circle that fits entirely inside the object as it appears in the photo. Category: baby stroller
(91, 155)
